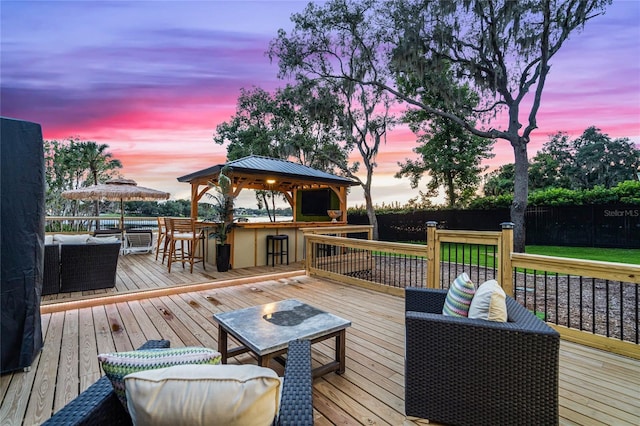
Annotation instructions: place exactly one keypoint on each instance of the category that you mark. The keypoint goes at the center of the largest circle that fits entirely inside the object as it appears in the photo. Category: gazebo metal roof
(257, 172)
(261, 168)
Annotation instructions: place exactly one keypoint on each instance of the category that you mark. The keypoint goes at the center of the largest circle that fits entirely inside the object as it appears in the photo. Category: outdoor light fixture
(270, 182)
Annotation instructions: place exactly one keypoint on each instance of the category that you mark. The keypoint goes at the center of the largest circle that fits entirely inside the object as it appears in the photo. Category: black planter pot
(223, 257)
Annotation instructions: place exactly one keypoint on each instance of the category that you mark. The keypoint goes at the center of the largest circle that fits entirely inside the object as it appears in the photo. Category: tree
(297, 122)
(293, 123)
(175, 208)
(451, 157)
(332, 46)
(365, 121)
(58, 176)
(591, 160)
(553, 165)
(500, 181)
(600, 161)
(502, 48)
(448, 153)
(99, 163)
(72, 164)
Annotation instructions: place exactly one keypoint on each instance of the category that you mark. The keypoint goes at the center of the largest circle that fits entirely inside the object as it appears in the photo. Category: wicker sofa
(79, 267)
(474, 372)
(98, 405)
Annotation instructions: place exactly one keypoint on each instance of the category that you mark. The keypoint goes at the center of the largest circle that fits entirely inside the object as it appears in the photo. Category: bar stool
(184, 231)
(271, 248)
(162, 241)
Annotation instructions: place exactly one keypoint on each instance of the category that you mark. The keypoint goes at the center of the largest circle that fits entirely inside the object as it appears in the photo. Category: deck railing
(76, 224)
(478, 253)
(392, 266)
(589, 302)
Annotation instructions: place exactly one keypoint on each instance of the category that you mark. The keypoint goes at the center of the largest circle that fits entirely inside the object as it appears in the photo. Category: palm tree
(72, 164)
(98, 163)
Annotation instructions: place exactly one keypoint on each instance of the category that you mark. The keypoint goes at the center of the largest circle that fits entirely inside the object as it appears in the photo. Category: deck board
(595, 387)
(68, 380)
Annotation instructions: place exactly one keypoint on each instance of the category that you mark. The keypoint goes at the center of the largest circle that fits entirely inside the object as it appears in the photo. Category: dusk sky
(153, 79)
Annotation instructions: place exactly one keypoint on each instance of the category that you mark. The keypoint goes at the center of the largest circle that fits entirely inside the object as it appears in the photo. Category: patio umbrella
(116, 190)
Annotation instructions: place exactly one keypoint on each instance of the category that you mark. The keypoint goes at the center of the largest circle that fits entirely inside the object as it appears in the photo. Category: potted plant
(223, 207)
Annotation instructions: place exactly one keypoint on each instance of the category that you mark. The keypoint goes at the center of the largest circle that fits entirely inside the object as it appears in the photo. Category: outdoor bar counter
(249, 240)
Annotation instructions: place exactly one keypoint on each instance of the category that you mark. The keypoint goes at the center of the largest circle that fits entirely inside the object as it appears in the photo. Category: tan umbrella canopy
(116, 190)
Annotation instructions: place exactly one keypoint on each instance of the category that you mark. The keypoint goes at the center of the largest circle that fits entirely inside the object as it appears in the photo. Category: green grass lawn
(472, 254)
(589, 253)
(631, 256)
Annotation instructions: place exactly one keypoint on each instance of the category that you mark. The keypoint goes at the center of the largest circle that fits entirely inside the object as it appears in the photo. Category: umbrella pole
(122, 220)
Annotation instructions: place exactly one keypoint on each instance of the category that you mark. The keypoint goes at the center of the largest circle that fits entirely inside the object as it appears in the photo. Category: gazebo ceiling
(256, 172)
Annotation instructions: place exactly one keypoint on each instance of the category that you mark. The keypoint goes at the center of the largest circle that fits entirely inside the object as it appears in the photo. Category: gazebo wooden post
(343, 202)
(194, 200)
(294, 205)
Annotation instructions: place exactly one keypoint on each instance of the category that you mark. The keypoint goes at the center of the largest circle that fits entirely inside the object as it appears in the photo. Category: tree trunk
(451, 192)
(96, 207)
(265, 201)
(520, 193)
(371, 213)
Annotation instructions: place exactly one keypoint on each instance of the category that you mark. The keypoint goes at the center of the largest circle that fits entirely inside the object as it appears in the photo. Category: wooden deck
(140, 272)
(595, 387)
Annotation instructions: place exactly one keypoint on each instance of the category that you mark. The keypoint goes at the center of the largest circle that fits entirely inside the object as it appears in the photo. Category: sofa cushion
(489, 302)
(103, 240)
(117, 365)
(48, 239)
(242, 395)
(459, 297)
(71, 239)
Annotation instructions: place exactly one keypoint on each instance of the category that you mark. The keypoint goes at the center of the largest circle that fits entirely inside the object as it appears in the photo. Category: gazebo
(311, 193)
(305, 188)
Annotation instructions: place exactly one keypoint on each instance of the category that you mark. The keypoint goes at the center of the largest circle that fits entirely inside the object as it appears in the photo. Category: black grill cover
(22, 203)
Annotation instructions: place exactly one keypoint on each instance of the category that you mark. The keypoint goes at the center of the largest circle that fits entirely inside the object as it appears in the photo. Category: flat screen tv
(315, 202)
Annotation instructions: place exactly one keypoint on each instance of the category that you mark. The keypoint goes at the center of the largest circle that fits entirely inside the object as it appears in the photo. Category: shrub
(491, 202)
(555, 197)
(628, 192)
(599, 195)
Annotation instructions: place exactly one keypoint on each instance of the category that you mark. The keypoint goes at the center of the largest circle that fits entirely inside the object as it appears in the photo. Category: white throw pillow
(232, 395)
(48, 239)
(489, 302)
(71, 239)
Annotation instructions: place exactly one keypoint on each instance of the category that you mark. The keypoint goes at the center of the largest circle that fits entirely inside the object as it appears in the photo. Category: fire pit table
(266, 330)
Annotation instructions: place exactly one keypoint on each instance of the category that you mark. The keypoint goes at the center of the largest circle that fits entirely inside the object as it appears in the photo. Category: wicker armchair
(473, 372)
(88, 266)
(98, 405)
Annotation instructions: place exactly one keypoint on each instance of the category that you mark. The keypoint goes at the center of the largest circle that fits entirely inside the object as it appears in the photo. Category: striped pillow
(117, 365)
(459, 297)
